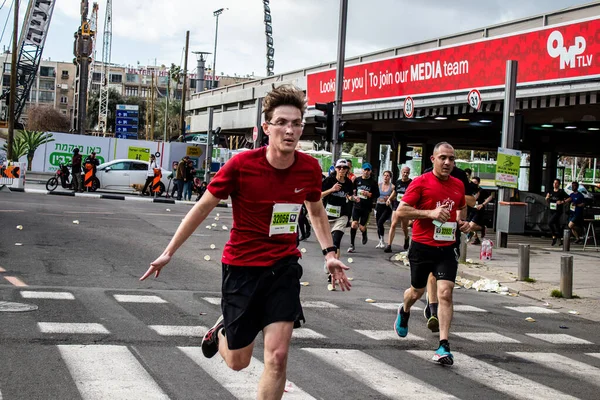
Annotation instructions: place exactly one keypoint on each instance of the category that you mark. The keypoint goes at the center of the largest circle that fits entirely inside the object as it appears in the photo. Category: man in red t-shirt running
(261, 274)
(436, 201)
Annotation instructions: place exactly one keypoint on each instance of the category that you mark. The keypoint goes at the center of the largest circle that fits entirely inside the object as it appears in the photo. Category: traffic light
(326, 121)
(342, 132)
(216, 136)
(406, 153)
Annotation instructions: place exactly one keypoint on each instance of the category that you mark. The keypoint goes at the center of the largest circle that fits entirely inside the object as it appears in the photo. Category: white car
(121, 174)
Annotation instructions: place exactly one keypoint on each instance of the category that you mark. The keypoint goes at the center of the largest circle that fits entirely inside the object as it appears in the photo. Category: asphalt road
(105, 335)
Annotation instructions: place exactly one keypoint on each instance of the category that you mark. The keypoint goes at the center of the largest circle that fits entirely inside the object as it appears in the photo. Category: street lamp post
(214, 67)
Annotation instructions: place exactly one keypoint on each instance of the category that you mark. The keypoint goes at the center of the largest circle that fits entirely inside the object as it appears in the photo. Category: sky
(152, 32)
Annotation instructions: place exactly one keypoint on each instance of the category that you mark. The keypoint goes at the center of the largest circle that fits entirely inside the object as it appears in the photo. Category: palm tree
(19, 148)
(33, 140)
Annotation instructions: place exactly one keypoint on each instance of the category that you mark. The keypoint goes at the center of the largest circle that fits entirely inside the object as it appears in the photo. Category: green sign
(63, 154)
(508, 165)
(138, 153)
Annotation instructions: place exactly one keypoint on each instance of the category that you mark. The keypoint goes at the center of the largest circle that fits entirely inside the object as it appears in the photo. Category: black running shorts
(424, 259)
(361, 215)
(254, 297)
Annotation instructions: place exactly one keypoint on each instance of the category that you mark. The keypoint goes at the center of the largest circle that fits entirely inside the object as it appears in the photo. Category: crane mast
(82, 50)
(94, 28)
(106, 52)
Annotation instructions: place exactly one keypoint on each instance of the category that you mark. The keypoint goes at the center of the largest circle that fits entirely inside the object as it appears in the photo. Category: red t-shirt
(427, 192)
(255, 187)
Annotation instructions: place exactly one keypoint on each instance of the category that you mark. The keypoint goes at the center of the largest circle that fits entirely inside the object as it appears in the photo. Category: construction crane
(106, 52)
(93, 27)
(31, 44)
(82, 49)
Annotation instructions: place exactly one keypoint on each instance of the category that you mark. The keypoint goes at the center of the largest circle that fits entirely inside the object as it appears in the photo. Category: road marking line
(89, 212)
(563, 364)
(387, 334)
(558, 338)
(15, 281)
(134, 298)
(179, 330)
(243, 384)
(393, 306)
(2, 269)
(305, 333)
(72, 327)
(29, 294)
(485, 337)
(213, 300)
(109, 372)
(318, 304)
(379, 376)
(496, 378)
(467, 308)
(11, 211)
(533, 310)
(597, 355)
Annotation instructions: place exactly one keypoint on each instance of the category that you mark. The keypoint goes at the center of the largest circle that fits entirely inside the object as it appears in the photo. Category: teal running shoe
(401, 325)
(443, 355)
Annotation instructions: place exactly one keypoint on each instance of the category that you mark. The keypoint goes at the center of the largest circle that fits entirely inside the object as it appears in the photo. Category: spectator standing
(76, 171)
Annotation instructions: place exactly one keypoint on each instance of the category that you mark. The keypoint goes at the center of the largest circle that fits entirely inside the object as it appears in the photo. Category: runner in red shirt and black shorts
(261, 274)
(436, 201)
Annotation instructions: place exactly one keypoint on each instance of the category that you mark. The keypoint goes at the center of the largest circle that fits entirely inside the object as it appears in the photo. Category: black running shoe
(365, 239)
(210, 341)
(406, 243)
(554, 241)
(388, 249)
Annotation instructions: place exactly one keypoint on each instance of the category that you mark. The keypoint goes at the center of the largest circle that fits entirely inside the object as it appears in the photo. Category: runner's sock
(352, 235)
(444, 342)
(433, 307)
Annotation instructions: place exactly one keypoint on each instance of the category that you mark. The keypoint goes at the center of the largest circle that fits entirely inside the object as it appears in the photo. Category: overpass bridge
(558, 91)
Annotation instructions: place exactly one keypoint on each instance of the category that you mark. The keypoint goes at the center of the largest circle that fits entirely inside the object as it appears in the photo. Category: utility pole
(185, 62)
(167, 108)
(339, 80)
(214, 67)
(152, 108)
(13, 85)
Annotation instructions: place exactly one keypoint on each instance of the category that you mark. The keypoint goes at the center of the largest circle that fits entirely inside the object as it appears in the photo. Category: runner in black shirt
(399, 190)
(336, 191)
(555, 199)
(366, 192)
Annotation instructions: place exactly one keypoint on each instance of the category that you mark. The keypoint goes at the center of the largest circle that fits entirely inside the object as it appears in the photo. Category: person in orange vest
(150, 175)
(94, 162)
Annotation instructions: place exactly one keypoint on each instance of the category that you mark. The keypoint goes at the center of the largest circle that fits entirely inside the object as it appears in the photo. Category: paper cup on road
(350, 261)
(207, 258)
(20, 227)
(212, 246)
(76, 222)
(370, 300)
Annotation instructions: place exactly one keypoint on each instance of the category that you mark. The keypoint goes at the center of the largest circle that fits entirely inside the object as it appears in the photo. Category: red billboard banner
(558, 53)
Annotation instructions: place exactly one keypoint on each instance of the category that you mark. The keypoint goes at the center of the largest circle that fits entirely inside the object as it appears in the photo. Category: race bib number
(572, 208)
(553, 206)
(363, 194)
(399, 196)
(445, 232)
(333, 211)
(284, 219)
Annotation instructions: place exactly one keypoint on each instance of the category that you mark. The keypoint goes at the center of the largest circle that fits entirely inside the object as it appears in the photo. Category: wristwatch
(329, 249)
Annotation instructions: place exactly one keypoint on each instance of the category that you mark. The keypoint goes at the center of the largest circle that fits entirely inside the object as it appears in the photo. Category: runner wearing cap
(336, 191)
(436, 201)
(261, 274)
(366, 192)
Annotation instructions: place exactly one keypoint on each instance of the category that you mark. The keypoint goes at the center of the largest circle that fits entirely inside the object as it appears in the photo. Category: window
(144, 92)
(114, 78)
(133, 78)
(131, 91)
(96, 76)
(46, 97)
(137, 166)
(46, 85)
(7, 68)
(65, 74)
(95, 87)
(64, 99)
(6, 81)
(47, 71)
(120, 166)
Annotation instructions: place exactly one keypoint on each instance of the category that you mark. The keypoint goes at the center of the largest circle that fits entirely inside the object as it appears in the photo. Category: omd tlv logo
(570, 56)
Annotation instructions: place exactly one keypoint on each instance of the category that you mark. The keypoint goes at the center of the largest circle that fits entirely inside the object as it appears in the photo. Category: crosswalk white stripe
(135, 298)
(72, 327)
(467, 308)
(378, 375)
(179, 330)
(318, 304)
(305, 333)
(498, 379)
(485, 337)
(387, 334)
(533, 310)
(597, 355)
(563, 364)
(213, 300)
(30, 294)
(243, 384)
(109, 372)
(558, 338)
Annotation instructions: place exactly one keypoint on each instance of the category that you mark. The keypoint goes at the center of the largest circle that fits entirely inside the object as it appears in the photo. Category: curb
(115, 197)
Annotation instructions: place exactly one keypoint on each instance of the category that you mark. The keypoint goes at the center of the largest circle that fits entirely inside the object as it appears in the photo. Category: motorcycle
(62, 175)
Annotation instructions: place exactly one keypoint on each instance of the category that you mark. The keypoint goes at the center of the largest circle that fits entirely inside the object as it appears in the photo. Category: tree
(27, 142)
(47, 119)
(172, 118)
(19, 148)
(359, 150)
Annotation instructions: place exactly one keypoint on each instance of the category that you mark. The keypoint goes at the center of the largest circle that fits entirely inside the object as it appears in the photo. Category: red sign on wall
(563, 52)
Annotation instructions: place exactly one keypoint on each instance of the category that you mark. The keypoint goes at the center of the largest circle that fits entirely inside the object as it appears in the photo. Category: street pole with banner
(257, 141)
(339, 81)
(508, 136)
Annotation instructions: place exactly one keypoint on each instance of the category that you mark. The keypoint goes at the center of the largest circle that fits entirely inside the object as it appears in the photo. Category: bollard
(523, 261)
(463, 248)
(566, 276)
(567, 240)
